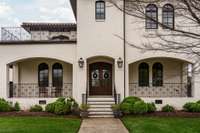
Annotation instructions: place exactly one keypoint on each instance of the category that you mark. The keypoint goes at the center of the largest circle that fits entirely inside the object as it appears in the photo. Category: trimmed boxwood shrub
(168, 108)
(126, 108)
(36, 108)
(17, 107)
(151, 107)
(5, 106)
(192, 106)
(140, 107)
(62, 108)
(50, 107)
(131, 99)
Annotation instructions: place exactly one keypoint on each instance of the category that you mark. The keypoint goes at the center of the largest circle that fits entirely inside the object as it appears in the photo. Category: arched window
(43, 75)
(143, 74)
(100, 10)
(151, 17)
(57, 75)
(157, 74)
(168, 16)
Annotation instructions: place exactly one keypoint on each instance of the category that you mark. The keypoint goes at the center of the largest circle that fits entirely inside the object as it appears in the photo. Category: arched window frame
(151, 12)
(43, 75)
(143, 75)
(56, 80)
(167, 14)
(100, 10)
(157, 74)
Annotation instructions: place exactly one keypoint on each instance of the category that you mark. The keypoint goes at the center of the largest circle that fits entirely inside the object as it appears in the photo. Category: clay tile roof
(54, 27)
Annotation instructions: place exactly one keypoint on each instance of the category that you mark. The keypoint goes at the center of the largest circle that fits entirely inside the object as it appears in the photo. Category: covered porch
(160, 78)
(39, 78)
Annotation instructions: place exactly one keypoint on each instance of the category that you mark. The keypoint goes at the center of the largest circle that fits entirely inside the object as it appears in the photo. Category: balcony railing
(14, 34)
(166, 90)
(32, 90)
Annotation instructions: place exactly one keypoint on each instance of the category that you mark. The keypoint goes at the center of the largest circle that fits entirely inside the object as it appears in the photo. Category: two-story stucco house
(92, 62)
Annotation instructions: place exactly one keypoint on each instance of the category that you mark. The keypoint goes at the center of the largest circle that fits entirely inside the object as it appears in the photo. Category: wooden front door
(100, 79)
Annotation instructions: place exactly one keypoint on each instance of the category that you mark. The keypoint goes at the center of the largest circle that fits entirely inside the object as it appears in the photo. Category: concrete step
(101, 116)
(101, 99)
(101, 113)
(100, 110)
(100, 103)
(100, 106)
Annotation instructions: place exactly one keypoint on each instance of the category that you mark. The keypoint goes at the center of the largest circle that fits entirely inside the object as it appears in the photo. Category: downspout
(124, 41)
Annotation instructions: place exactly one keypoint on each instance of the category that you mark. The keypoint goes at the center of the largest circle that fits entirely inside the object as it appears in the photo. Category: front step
(100, 107)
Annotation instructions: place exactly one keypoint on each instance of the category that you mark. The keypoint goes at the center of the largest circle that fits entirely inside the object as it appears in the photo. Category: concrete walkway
(102, 125)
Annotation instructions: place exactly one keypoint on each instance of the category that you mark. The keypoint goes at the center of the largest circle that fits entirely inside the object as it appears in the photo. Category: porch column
(4, 81)
(119, 80)
(196, 82)
(16, 73)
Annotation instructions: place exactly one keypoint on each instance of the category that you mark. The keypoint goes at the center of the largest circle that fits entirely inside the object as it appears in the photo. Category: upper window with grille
(168, 16)
(151, 16)
(100, 10)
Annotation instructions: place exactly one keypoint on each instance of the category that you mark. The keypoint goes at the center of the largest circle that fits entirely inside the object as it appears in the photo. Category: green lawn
(39, 125)
(161, 125)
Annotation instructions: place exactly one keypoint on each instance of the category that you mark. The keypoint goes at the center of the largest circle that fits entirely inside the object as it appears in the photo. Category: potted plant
(116, 111)
(84, 110)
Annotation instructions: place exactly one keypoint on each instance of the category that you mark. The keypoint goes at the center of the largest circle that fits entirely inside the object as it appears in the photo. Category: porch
(160, 77)
(39, 78)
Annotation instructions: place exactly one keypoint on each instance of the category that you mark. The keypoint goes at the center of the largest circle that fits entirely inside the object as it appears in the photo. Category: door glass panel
(95, 78)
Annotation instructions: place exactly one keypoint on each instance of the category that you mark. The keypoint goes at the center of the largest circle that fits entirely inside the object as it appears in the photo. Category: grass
(161, 125)
(39, 125)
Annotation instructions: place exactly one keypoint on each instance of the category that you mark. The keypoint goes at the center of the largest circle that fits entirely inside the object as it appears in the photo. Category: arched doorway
(100, 78)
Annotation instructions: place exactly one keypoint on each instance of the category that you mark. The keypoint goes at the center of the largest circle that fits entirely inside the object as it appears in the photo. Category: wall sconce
(120, 62)
(81, 63)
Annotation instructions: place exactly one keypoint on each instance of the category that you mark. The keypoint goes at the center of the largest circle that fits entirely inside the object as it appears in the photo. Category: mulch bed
(173, 114)
(28, 114)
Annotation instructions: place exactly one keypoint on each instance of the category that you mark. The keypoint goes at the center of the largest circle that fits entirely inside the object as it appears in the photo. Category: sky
(14, 12)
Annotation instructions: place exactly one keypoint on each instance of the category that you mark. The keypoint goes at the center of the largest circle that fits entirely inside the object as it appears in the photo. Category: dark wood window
(151, 17)
(43, 75)
(157, 74)
(143, 74)
(168, 16)
(57, 75)
(100, 10)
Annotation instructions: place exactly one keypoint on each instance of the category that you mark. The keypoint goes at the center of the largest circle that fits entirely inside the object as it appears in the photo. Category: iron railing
(116, 96)
(32, 90)
(166, 90)
(14, 34)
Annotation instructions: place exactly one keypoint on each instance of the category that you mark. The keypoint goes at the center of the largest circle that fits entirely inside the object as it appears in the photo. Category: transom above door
(100, 79)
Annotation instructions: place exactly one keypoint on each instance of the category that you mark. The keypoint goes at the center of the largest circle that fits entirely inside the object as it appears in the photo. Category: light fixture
(120, 62)
(81, 62)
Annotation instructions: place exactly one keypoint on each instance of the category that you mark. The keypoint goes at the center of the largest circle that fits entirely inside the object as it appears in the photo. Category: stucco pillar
(3, 81)
(196, 82)
(119, 80)
(16, 73)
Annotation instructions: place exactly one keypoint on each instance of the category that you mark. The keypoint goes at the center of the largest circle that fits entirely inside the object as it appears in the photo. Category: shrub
(61, 99)
(131, 100)
(84, 107)
(168, 108)
(140, 107)
(188, 106)
(17, 107)
(36, 108)
(126, 108)
(115, 107)
(195, 107)
(62, 108)
(50, 107)
(198, 102)
(4, 106)
(127, 104)
(151, 107)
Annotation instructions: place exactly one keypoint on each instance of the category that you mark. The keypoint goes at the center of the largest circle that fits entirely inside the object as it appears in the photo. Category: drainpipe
(124, 32)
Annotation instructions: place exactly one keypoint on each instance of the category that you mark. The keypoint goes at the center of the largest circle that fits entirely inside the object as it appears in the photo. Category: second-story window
(168, 16)
(100, 10)
(151, 17)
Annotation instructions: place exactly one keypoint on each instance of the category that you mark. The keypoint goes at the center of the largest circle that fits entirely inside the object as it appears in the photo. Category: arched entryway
(100, 76)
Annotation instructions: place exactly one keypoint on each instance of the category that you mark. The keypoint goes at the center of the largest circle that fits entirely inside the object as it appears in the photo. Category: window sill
(100, 20)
